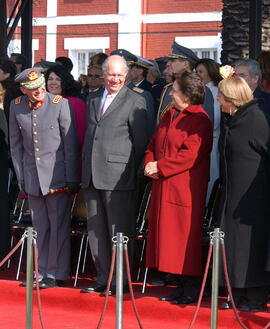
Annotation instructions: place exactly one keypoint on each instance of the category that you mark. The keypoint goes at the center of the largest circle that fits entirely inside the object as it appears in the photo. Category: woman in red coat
(177, 159)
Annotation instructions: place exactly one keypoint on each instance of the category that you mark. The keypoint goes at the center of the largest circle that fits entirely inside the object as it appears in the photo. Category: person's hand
(21, 186)
(73, 188)
(151, 170)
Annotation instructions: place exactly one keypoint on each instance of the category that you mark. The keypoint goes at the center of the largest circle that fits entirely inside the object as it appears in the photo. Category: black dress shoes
(112, 291)
(51, 283)
(237, 301)
(253, 306)
(24, 283)
(177, 293)
(95, 288)
(185, 300)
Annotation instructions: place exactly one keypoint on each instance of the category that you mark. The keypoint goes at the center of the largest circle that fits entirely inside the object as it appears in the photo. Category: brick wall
(159, 44)
(80, 31)
(181, 6)
(39, 32)
(39, 8)
(87, 7)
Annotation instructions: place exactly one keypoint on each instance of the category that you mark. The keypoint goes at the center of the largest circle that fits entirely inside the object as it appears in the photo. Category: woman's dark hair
(66, 62)
(69, 86)
(212, 69)
(8, 66)
(191, 86)
(98, 59)
(20, 59)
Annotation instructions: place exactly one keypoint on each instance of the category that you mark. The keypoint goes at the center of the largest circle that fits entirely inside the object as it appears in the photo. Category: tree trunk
(235, 32)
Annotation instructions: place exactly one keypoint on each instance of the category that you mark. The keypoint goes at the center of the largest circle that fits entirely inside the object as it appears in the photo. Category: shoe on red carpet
(185, 300)
(112, 291)
(253, 306)
(51, 283)
(95, 288)
(176, 293)
(24, 282)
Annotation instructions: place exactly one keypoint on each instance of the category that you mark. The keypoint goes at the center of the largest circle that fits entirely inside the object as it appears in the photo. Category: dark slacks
(51, 220)
(108, 212)
(4, 207)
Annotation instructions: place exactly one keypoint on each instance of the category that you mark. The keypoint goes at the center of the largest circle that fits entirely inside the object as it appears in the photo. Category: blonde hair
(2, 95)
(236, 91)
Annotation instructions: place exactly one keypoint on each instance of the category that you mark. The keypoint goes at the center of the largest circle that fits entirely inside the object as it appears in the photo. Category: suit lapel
(114, 104)
(96, 102)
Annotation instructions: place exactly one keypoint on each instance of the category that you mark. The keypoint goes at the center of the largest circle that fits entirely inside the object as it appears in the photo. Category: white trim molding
(86, 43)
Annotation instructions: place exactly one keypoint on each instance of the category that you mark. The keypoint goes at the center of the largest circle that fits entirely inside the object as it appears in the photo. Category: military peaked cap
(182, 53)
(31, 78)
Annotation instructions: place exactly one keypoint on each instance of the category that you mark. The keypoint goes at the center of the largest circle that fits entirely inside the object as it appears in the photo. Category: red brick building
(80, 28)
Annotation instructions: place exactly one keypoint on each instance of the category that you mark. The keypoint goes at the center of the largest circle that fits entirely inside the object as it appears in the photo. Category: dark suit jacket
(145, 85)
(114, 145)
(265, 96)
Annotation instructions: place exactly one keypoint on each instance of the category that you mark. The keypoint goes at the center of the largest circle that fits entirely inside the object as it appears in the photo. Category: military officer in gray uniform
(182, 59)
(44, 150)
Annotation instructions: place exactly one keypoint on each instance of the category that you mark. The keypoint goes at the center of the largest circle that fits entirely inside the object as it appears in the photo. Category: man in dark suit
(115, 141)
(249, 69)
(44, 150)
(138, 72)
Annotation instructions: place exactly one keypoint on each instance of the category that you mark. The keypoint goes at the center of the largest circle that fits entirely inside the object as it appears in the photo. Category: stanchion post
(119, 280)
(29, 279)
(215, 275)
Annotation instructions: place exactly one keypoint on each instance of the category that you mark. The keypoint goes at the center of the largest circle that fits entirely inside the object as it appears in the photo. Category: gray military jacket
(43, 143)
(114, 145)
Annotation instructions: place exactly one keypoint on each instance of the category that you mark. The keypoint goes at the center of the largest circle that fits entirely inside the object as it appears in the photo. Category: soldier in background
(154, 77)
(150, 106)
(182, 59)
(44, 150)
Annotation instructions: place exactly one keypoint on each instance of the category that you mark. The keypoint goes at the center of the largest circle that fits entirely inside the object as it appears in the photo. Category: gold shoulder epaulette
(138, 90)
(57, 99)
(167, 108)
(154, 85)
(168, 85)
(18, 100)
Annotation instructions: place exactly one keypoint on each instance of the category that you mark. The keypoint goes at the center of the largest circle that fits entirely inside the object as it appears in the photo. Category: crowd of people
(175, 121)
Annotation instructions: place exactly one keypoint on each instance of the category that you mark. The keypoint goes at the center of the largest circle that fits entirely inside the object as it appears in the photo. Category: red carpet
(67, 308)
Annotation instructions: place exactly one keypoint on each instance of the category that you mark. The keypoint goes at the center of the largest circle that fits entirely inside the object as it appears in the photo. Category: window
(206, 53)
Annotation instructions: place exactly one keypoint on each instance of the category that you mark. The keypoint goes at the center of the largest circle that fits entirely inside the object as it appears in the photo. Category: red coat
(182, 150)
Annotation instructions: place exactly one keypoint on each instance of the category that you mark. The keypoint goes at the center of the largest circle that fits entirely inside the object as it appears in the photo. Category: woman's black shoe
(253, 306)
(185, 300)
(228, 305)
(177, 292)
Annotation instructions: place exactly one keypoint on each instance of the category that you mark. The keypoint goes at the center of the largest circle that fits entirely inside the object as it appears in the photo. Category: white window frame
(84, 45)
(199, 44)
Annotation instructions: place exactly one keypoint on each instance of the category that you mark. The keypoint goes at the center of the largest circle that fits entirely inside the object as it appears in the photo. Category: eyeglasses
(94, 75)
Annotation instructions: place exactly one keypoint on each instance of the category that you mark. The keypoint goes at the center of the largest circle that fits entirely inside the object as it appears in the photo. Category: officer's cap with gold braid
(182, 53)
(143, 62)
(31, 78)
(129, 57)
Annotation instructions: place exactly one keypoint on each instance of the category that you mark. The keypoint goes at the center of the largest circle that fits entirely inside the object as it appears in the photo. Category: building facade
(80, 28)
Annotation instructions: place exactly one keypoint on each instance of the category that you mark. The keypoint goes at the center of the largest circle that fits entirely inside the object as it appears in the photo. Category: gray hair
(155, 70)
(253, 67)
(105, 63)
